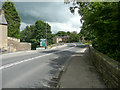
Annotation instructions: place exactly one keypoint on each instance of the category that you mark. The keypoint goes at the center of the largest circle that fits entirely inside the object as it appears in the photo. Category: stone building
(61, 39)
(3, 31)
(57, 39)
(10, 44)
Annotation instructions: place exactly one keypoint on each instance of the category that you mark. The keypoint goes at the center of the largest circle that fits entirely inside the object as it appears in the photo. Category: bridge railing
(108, 68)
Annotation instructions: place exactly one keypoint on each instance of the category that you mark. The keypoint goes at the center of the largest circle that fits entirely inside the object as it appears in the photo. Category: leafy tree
(74, 37)
(61, 33)
(34, 33)
(101, 23)
(13, 19)
(34, 43)
(68, 33)
(27, 34)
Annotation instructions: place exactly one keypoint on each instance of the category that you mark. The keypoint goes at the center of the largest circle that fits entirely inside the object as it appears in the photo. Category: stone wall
(24, 46)
(108, 68)
(15, 45)
(14, 39)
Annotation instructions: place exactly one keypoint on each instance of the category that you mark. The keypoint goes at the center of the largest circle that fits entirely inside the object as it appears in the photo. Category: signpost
(43, 42)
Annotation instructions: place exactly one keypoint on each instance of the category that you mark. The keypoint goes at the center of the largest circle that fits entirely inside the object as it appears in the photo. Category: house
(3, 31)
(57, 39)
(10, 44)
(61, 39)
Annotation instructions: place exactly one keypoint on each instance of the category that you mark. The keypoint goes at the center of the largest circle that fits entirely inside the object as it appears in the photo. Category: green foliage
(73, 36)
(101, 25)
(12, 18)
(68, 33)
(34, 43)
(34, 33)
(61, 33)
(88, 43)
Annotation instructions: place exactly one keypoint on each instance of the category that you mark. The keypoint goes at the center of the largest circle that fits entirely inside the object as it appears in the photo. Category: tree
(12, 18)
(27, 34)
(68, 33)
(74, 37)
(61, 33)
(34, 33)
(101, 23)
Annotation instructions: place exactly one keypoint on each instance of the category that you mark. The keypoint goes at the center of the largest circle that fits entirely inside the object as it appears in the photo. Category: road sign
(42, 42)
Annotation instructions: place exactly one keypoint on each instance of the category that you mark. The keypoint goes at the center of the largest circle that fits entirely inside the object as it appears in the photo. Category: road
(35, 69)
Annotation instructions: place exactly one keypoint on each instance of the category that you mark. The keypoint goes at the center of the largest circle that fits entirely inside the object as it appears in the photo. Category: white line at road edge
(19, 62)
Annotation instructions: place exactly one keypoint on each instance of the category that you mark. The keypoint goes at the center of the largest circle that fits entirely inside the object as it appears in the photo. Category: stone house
(57, 39)
(61, 39)
(10, 44)
(3, 31)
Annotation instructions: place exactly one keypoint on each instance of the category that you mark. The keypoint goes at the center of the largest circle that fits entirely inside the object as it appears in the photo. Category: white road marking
(19, 62)
(83, 50)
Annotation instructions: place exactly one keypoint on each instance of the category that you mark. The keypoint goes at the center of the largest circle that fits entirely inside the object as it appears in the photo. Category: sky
(56, 14)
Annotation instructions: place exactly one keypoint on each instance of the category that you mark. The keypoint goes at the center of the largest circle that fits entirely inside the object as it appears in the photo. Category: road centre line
(19, 62)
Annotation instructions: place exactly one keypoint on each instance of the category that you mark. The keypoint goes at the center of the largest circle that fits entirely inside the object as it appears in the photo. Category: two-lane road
(34, 68)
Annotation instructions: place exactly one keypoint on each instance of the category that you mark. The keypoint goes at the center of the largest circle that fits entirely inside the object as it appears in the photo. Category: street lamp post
(46, 36)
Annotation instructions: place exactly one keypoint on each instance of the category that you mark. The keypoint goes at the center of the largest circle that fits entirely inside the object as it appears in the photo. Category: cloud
(61, 0)
(34, 0)
(73, 24)
(63, 27)
(44, 11)
(56, 13)
(23, 25)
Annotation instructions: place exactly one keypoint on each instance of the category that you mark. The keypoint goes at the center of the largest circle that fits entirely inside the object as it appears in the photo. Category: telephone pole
(46, 36)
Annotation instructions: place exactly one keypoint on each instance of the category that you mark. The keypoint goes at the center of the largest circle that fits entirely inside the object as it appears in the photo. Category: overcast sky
(57, 14)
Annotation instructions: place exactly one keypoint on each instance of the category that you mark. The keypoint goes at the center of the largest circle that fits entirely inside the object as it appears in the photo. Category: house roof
(3, 20)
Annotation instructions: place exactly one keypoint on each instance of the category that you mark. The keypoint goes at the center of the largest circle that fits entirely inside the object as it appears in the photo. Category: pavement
(80, 73)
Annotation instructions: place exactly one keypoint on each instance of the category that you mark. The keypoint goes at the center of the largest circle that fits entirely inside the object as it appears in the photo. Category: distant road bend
(34, 69)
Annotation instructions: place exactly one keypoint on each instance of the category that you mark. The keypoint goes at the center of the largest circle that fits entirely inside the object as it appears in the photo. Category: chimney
(2, 13)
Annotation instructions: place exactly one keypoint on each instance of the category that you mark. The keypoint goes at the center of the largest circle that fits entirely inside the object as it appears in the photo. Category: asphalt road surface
(35, 69)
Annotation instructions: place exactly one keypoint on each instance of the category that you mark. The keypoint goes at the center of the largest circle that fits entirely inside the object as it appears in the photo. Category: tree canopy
(12, 18)
(61, 33)
(34, 33)
(101, 25)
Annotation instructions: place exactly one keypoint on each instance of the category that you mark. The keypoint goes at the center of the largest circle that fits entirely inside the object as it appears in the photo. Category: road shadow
(58, 63)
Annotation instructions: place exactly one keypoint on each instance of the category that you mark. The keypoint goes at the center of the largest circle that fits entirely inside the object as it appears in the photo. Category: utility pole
(46, 36)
